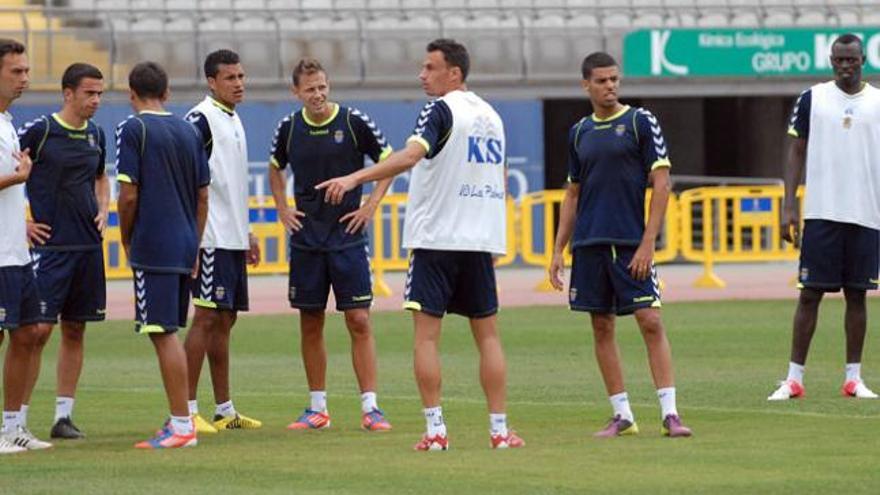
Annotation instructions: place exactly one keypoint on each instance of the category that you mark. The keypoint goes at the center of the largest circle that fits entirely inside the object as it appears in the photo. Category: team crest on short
(620, 129)
(219, 292)
(2, 314)
(338, 136)
(805, 274)
(572, 294)
(292, 293)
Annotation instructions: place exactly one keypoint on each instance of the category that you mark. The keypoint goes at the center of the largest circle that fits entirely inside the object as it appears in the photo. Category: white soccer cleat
(23, 438)
(7, 447)
(789, 389)
(857, 389)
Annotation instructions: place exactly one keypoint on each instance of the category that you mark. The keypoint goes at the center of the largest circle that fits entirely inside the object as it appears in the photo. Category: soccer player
(19, 300)
(835, 128)
(614, 154)
(163, 176)
(220, 290)
(455, 223)
(69, 196)
(328, 242)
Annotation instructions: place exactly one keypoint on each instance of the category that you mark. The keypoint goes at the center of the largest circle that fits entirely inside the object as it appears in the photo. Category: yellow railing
(705, 225)
(732, 224)
(544, 205)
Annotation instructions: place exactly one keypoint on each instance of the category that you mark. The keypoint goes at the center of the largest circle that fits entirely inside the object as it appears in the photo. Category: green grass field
(728, 357)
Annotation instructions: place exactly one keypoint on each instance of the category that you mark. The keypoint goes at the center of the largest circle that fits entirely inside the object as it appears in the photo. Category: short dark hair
(846, 39)
(9, 46)
(75, 73)
(596, 60)
(454, 53)
(306, 66)
(216, 58)
(148, 80)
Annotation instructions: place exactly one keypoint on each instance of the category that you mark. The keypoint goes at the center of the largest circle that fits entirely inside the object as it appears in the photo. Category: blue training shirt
(316, 152)
(165, 157)
(61, 187)
(611, 159)
(799, 124)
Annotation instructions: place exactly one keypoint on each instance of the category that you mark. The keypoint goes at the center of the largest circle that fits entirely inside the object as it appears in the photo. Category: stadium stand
(365, 42)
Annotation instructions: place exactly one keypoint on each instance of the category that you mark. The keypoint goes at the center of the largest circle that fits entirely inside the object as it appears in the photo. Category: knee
(358, 323)
(650, 324)
(854, 297)
(312, 324)
(38, 336)
(73, 335)
(810, 298)
(603, 329)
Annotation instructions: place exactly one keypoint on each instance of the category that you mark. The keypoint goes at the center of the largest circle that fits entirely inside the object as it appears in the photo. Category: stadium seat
(494, 42)
(333, 39)
(256, 41)
(395, 45)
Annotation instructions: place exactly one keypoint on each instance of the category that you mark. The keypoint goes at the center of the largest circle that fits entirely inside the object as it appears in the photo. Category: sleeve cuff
(275, 163)
(386, 152)
(124, 178)
(422, 141)
(793, 132)
(663, 162)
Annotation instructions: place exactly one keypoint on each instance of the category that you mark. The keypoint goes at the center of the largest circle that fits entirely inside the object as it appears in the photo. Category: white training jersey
(456, 196)
(13, 235)
(843, 153)
(227, 225)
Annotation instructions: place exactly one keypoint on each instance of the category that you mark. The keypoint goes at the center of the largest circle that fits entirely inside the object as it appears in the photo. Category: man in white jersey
(19, 301)
(455, 223)
(836, 129)
(221, 290)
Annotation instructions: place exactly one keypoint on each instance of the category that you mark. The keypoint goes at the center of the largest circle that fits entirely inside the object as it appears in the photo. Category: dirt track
(268, 294)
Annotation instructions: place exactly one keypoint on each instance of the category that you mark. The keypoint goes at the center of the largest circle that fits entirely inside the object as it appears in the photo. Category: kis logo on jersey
(484, 150)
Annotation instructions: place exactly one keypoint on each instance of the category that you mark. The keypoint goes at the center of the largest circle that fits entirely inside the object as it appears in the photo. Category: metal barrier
(540, 218)
(732, 224)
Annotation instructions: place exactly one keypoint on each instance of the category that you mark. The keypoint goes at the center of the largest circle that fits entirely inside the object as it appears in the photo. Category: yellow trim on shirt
(793, 132)
(386, 153)
(274, 162)
(124, 178)
(153, 112)
(67, 126)
(324, 123)
(616, 115)
(663, 162)
(204, 303)
(422, 141)
(219, 104)
(413, 305)
(145, 329)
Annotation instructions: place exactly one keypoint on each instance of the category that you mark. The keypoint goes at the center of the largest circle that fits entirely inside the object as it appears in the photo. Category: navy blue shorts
(602, 283)
(836, 254)
(312, 273)
(222, 282)
(19, 297)
(460, 282)
(71, 284)
(161, 301)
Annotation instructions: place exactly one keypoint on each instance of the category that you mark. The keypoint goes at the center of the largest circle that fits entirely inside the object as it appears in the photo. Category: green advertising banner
(739, 52)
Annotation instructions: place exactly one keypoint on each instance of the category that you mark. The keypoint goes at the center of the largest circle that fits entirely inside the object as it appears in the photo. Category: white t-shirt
(227, 225)
(456, 196)
(13, 236)
(843, 153)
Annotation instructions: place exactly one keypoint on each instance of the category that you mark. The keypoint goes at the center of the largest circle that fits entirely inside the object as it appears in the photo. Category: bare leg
(659, 351)
(804, 324)
(426, 357)
(172, 365)
(607, 352)
(363, 348)
(196, 345)
(218, 355)
(855, 324)
(493, 368)
(19, 353)
(40, 333)
(314, 355)
(70, 357)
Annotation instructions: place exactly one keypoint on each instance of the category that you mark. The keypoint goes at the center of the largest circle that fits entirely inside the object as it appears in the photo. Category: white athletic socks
(225, 409)
(854, 371)
(22, 415)
(10, 421)
(193, 406)
(667, 401)
(796, 372)
(368, 402)
(63, 407)
(319, 400)
(620, 404)
(434, 421)
(182, 425)
(498, 425)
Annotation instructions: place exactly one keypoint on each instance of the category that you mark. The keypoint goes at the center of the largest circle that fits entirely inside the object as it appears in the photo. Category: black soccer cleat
(64, 428)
